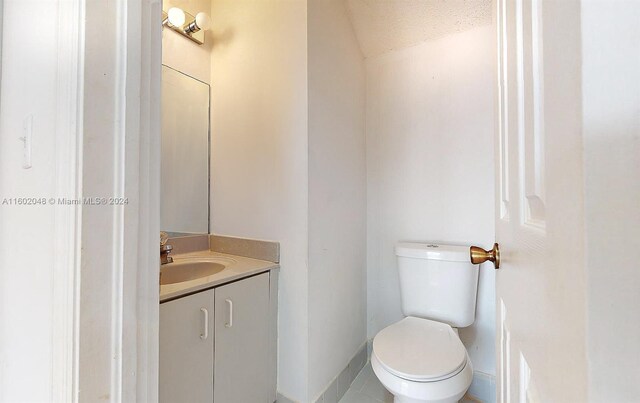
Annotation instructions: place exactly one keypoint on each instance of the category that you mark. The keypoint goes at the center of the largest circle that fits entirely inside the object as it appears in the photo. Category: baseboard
(483, 387)
(339, 385)
(284, 399)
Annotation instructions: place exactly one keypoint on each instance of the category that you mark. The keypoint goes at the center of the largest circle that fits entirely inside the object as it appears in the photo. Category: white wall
(337, 194)
(430, 167)
(27, 232)
(611, 125)
(259, 152)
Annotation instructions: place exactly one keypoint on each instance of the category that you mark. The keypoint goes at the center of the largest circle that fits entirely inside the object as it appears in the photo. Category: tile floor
(367, 389)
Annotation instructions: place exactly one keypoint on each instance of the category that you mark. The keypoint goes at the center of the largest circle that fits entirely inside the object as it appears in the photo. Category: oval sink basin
(186, 270)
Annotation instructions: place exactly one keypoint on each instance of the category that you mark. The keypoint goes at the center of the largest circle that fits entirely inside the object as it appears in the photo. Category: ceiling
(384, 25)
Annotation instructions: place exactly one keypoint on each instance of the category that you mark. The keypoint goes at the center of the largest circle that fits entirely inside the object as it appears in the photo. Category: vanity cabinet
(219, 345)
(187, 348)
(241, 364)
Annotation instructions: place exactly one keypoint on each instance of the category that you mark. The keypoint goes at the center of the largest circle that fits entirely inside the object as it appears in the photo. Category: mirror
(184, 204)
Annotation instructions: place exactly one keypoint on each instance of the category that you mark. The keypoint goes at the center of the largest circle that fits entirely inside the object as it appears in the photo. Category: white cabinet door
(186, 349)
(242, 367)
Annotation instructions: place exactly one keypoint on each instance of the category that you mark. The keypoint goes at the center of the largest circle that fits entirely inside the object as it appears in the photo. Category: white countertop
(239, 267)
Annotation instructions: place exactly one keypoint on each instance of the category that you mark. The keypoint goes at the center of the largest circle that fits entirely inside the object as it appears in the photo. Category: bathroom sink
(191, 269)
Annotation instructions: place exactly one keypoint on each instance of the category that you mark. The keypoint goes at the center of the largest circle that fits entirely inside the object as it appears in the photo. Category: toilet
(421, 358)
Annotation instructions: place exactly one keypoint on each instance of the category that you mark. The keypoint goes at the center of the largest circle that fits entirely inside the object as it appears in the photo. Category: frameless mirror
(184, 204)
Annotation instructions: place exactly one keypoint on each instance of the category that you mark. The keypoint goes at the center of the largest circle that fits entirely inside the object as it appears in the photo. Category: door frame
(135, 170)
(67, 229)
(142, 94)
(129, 319)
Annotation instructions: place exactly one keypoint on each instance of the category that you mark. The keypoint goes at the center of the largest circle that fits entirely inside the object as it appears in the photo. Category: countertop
(239, 267)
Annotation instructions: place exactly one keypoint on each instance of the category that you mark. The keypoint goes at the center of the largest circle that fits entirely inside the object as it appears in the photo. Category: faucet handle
(165, 250)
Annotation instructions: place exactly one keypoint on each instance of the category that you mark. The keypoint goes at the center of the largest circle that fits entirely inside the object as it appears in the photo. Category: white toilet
(421, 357)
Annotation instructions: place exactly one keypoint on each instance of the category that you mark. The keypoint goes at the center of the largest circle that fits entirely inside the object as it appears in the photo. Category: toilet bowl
(420, 360)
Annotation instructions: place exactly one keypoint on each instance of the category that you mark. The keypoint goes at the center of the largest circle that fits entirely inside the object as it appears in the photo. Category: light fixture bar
(193, 29)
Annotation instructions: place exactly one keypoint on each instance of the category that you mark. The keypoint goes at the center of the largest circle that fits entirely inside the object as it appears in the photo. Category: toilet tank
(438, 282)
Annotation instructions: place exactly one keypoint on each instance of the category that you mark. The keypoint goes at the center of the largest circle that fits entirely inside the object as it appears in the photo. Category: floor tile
(353, 396)
(344, 381)
(373, 388)
(331, 394)
(366, 388)
(362, 377)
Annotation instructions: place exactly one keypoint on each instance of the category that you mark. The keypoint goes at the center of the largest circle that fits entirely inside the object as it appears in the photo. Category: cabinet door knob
(205, 331)
(230, 305)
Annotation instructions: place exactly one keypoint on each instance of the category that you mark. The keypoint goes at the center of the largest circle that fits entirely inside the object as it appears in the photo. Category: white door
(540, 287)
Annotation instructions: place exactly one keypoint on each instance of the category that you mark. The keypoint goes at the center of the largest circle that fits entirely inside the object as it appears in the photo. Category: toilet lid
(420, 350)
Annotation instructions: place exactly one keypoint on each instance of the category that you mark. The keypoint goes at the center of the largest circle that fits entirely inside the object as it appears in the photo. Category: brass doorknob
(479, 255)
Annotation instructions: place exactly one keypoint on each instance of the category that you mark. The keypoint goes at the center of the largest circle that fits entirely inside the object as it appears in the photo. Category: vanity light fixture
(175, 19)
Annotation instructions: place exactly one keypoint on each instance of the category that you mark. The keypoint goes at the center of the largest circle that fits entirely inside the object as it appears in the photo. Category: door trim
(67, 219)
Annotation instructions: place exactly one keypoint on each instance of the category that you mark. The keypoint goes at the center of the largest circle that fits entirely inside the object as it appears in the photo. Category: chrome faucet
(165, 249)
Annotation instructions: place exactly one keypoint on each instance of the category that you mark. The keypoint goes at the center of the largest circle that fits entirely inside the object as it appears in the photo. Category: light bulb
(175, 16)
(203, 21)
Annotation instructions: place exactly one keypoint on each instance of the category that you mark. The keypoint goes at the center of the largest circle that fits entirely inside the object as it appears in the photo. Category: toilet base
(402, 399)
(449, 390)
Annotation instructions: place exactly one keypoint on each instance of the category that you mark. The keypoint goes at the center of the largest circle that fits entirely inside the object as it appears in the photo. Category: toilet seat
(448, 390)
(420, 350)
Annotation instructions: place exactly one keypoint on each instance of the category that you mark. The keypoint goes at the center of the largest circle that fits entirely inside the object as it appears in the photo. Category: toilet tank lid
(433, 251)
